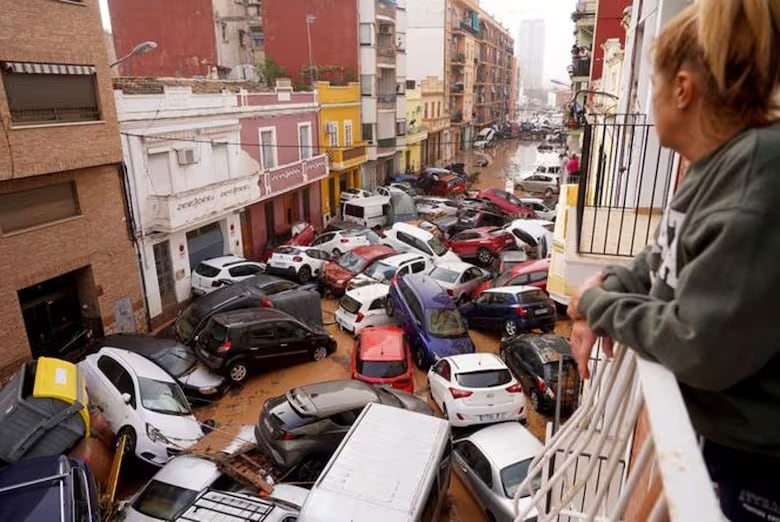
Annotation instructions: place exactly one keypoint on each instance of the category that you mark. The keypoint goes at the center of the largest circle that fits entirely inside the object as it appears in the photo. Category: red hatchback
(507, 202)
(448, 185)
(382, 356)
(482, 243)
(530, 273)
(300, 234)
(336, 274)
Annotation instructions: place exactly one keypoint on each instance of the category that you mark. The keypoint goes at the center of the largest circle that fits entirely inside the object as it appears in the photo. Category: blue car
(512, 310)
(429, 317)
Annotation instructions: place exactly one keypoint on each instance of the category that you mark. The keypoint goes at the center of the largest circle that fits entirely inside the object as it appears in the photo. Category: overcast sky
(558, 27)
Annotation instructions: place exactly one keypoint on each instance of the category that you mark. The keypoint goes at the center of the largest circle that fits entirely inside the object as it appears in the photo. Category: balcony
(342, 158)
(386, 101)
(386, 9)
(629, 452)
(466, 26)
(386, 146)
(458, 59)
(580, 68)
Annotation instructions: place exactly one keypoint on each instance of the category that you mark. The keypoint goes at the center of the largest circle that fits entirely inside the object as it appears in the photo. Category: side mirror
(126, 398)
(225, 282)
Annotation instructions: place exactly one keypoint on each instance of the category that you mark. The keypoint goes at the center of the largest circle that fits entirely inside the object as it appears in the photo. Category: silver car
(547, 184)
(459, 279)
(493, 462)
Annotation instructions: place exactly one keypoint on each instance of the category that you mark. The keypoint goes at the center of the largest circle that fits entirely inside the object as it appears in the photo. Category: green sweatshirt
(704, 300)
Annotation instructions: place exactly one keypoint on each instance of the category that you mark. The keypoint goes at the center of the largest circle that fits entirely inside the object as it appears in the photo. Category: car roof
(471, 362)
(506, 443)
(517, 289)
(188, 471)
(369, 292)
(532, 200)
(428, 290)
(411, 229)
(455, 266)
(372, 251)
(139, 343)
(399, 259)
(366, 202)
(551, 347)
(382, 343)
(142, 366)
(244, 316)
(223, 261)
(330, 397)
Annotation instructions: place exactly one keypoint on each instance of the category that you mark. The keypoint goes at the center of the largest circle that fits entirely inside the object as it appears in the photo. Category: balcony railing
(466, 26)
(580, 67)
(54, 115)
(629, 452)
(386, 100)
(625, 182)
(346, 157)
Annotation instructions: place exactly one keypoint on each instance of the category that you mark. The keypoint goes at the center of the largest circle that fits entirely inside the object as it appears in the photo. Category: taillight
(522, 312)
(266, 303)
(540, 385)
(344, 241)
(225, 347)
(216, 283)
(359, 317)
(297, 259)
(515, 388)
(289, 436)
(460, 394)
(450, 292)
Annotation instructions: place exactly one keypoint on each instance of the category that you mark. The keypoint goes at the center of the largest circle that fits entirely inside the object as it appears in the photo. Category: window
(378, 304)
(476, 461)
(368, 132)
(332, 133)
(347, 133)
(31, 208)
(501, 299)
(426, 111)
(118, 376)
(438, 109)
(243, 270)
(256, 34)
(262, 334)
(366, 31)
(40, 93)
(444, 370)
(163, 501)
(400, 128)
(465, 236)
(471, 273)
(268, 157)
(304, 141)
(366, 85)
(324, 238)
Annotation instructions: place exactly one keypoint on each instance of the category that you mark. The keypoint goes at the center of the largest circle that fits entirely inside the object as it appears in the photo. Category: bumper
(345, 324)
(197, 292)
(533, 323)
(210, 360)
(334, 287)
(266, 447)
(196, 397)
(158, 453)
(470, 416)
(283, 271)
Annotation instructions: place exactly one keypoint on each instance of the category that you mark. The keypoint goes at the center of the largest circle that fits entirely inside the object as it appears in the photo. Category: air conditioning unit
(186, 156)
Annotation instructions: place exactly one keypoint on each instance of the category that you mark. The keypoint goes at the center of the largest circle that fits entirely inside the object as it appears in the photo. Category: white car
(459, 279)
(141, 400)
(354, 193)
(210, 273)
(476, 388)
(391, 189)
(493, 462)
(345, 240)
(436, 206)
(303, 263)
(383, 270)
(542, 211)
(533, 235)
(409, 238)
(364, 306)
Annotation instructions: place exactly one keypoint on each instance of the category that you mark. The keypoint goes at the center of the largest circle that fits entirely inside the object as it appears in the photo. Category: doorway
(164, 268)
(204, 243)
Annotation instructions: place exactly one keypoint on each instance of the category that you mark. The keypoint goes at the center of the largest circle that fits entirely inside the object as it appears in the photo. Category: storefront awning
(47, 68)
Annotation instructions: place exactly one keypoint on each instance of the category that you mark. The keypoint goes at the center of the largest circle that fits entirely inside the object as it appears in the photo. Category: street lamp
(310, 20)
(141, 48)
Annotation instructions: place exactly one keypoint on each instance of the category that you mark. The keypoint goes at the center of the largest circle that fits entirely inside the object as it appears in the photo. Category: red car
(300, 234)
(382, 356)
(507, 202)
(448, 185)
(336, 274)
(530, 273)
(482, 243)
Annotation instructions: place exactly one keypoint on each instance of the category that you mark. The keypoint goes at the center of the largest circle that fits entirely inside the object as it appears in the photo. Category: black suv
(234, 343)
(535, 360)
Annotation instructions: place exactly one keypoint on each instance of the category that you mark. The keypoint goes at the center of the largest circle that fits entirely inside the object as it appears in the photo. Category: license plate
(488, 417)
(541, 312)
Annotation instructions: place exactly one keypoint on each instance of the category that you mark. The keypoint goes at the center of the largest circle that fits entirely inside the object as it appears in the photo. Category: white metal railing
(599, 466)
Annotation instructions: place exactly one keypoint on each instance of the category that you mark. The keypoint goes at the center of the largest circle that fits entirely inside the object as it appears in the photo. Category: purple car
(430, 319)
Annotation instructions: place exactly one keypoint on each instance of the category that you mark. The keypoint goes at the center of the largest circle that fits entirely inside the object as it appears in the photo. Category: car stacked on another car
(476, 388)
(459, 279)
(507, 202)
(339, 241)
(528, 273)
(385, 269)
(214, 273)
(483, 243)
(429, 317)
(302, 263)
(511, 310)
(362, 307)
(353, 193)
(239, 342)
(435, 207)
(470, 218)
(301, 429)
(407, 238)
(338, 273)
(299, 234)
(381, 355)
(540, 208)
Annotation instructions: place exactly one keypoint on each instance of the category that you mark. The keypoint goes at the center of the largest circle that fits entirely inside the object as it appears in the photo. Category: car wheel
(130, 440)
(336, 252)
(238, 372)
(310, 470)
(510, 328)
(484, 255)
(304, 274)
(420, 360)
(390, 307)
(319, 353)
(548, 192)
(535, 402)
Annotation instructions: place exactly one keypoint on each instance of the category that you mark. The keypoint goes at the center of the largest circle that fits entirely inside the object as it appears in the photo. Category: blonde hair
(734, 46)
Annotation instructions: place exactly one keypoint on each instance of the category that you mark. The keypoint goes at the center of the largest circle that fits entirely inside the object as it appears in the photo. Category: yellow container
(61, 380)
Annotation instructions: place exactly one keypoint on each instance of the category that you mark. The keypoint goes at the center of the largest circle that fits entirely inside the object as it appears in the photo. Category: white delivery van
(370, 212)
(393, 466)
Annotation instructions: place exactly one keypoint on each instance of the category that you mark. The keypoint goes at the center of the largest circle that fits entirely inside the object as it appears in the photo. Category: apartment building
(463, 39)
(494, 72)
(64, 228)
(436, 121)
(416, 131)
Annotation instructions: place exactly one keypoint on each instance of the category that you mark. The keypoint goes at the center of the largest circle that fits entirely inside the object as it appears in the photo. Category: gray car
(493, 462)
(301, 429)
(547, 184)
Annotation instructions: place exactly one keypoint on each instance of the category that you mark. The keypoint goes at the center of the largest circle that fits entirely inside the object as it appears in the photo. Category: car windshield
(164, 501)
(436, 245)
(445, 275)
(350, 304)
(352, 262)
(207, 270)
(381, 271)
(178, 360)
(445, 323)
(484, 378)
(513, 475)
(186, 323)
(290, 251)
(532, 296)
(381, 369)
(163, 397)
(513, 199)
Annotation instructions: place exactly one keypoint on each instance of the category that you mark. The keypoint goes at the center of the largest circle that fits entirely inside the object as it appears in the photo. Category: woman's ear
(684, 89)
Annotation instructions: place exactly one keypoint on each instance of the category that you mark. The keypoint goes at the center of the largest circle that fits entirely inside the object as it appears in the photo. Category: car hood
(182, 430)
(445, 346)
(363, 280)
(409, 401)
(450, 256)
(201, 377)
(335, 272)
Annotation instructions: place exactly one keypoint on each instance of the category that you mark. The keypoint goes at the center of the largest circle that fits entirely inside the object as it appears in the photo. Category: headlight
(211, 390)
(154, 434)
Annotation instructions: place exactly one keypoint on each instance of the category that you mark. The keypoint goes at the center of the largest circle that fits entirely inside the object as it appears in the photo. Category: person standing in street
(703, 299)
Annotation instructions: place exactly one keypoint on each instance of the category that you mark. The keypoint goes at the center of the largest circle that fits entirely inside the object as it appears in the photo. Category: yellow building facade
(341, 139)
(416, 132)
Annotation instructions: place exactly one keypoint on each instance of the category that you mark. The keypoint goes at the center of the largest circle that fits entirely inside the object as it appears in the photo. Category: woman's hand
(582, 341)
(594, 281)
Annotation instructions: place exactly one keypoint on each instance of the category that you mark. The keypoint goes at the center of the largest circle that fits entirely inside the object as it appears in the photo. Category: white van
(409, 238)
(393, 466)
(370, 212)
(485, 138)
